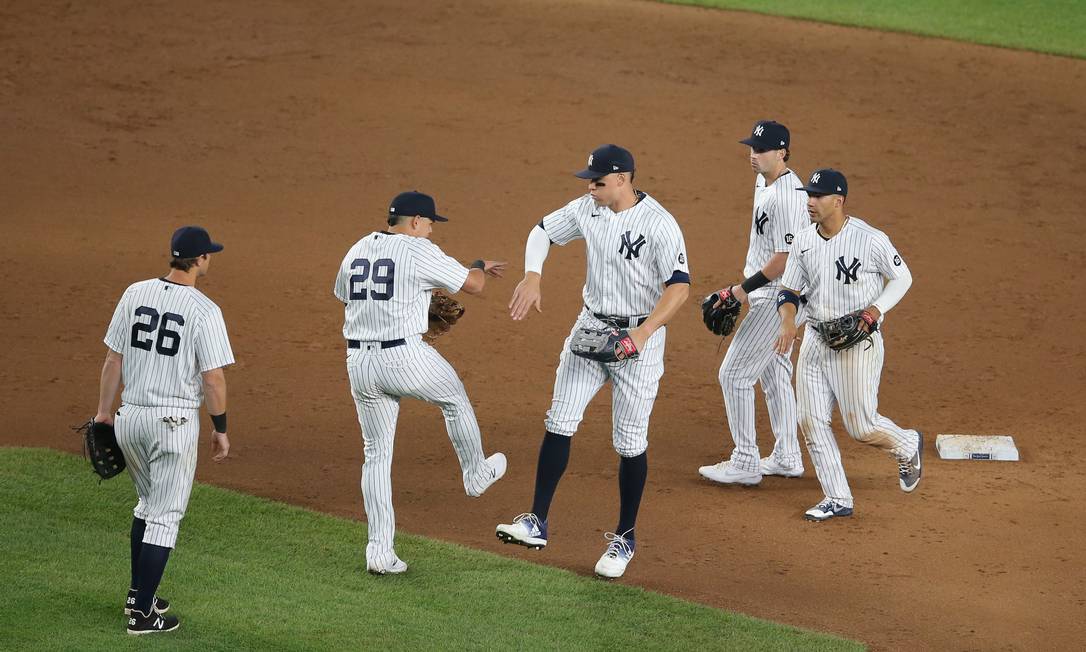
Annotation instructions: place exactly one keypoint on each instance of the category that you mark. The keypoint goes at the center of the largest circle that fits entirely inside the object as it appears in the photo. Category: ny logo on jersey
(850, 273)
(759, 222)
(759, 130)
(815, 177)
(632, 248)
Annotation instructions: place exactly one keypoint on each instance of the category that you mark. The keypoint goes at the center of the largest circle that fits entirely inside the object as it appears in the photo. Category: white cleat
(613, 563)
(496, 465)
(726, 473)
(395, 568)
(771, 466)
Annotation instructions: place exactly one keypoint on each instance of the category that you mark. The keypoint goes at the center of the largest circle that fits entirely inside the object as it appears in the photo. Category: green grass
(1053, 26)
(252, 574)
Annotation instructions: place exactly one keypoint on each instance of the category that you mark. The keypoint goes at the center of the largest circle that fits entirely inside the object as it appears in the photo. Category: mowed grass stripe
(252, 574)
(1052, 26)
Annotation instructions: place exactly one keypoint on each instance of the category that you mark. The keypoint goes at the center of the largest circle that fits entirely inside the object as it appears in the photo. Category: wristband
(757, 280)
(478, 264)
(787, 296)
(220, 422)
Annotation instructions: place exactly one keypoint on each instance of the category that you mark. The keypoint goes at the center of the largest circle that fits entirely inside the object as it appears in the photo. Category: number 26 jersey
(168, 334)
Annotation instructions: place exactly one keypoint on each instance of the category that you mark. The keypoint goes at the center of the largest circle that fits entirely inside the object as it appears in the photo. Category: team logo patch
(788, 238)
(897, 261)
(682, 259)
(759, 222)
(815, 177)
(631, 247)
(589, 160)
(759, 130)
(848, 273)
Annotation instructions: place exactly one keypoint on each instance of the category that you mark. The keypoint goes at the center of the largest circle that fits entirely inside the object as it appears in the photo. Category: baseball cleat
(525, 530)
(138, 624)
(771, 466)
(908, 471)
(826, 510)
(395, 567)
(616, 558)
(726, 473)
(495, 466)
(159, 605)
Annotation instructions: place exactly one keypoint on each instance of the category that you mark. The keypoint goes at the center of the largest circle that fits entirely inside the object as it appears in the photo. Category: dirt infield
(285, 131)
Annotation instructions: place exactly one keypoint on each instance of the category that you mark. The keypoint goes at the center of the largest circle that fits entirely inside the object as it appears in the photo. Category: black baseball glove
(100, 445)
(720, 320)
(849, 330)
(604, 345)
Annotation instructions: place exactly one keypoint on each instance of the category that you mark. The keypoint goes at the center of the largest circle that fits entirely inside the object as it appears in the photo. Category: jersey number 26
(168, 341)
(383, 273)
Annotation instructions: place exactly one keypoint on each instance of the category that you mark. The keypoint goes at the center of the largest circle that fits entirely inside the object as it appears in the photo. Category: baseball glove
(100, 446)
(721, 319)
(444, 312)
(604, 345)
(847, 331)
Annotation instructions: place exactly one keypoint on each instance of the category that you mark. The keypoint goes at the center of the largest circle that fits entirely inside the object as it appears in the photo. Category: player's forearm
(110, 382)
(774, 267)
(893, 292)
(673, 298)
(536, 250)
(215, 391)
(787, 305)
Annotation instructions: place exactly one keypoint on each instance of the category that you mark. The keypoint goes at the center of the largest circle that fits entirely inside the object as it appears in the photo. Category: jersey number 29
(383, 273)
(168, 341)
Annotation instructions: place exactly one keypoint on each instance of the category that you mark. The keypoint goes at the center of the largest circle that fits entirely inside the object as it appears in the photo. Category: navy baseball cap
(767, 135)
(192, 241)
(412, 203)
(607, 159)
(826, 181)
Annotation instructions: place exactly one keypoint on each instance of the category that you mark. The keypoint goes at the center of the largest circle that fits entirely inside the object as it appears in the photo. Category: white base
(977, 447)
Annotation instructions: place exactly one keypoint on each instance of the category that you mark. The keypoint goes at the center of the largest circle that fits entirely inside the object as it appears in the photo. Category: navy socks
(553, 458)
(138, 526)
(152, 563)
(632, 473)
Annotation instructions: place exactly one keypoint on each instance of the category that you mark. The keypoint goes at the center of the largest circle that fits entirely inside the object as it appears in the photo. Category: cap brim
(438, 218)
(821, 192)
(214, 248)
(589, 174)
(751, 142)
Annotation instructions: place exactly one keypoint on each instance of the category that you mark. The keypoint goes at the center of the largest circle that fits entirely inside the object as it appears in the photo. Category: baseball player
(637, 279)
(385, 283)
(168, 346)
(778, 215)
(847, 266)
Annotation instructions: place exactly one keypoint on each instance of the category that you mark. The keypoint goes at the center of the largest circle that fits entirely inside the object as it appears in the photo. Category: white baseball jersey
(386, 280)
(780, 212)
(631, 254)
(168, 334)
(846, 272)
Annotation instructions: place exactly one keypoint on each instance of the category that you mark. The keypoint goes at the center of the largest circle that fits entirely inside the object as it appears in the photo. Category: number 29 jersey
(385, 282)
(168, 334)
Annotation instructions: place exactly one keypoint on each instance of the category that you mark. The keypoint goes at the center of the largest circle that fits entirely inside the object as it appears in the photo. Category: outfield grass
(252, 574)
(1053, 26)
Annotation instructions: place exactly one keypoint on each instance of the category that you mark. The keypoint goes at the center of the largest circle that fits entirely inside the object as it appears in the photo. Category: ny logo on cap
(759, 130)
(815, 177)
(589, 160)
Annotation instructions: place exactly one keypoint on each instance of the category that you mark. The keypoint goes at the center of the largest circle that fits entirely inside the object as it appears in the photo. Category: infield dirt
(285, 130)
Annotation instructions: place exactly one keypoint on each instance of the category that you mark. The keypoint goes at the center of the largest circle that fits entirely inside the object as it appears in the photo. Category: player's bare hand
(104, 417)
(220, 445)
(525, 297)
(495, 268)
(785, 338)
(640, 337)
(739, 293)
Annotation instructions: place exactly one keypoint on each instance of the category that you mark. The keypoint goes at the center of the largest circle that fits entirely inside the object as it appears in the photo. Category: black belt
(621, 322)
(387, 344)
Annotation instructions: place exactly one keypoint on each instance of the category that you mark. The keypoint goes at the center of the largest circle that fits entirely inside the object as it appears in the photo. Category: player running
(637, 279)
(846, 266)
(168, 346)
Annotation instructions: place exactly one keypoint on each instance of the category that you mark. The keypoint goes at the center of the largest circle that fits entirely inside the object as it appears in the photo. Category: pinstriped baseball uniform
(631, 254)
(843, 274)
(779, 213)
(386, 281)
(167, 334)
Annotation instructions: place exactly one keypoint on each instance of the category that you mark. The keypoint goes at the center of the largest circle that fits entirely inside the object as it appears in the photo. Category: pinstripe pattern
(155, 380)
(779, 213)
(620, 282)
(161, 461)
(751, 359)
(420, 266)
(635, 384)
(843, 274)
(379, 377)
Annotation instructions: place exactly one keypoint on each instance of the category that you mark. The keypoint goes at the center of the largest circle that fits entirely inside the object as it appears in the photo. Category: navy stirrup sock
(138, 526)
(553, 458)
(632, 473)
(152, 563)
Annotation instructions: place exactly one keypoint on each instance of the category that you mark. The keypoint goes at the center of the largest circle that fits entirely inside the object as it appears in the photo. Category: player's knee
(809, 423)
(631, 450)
